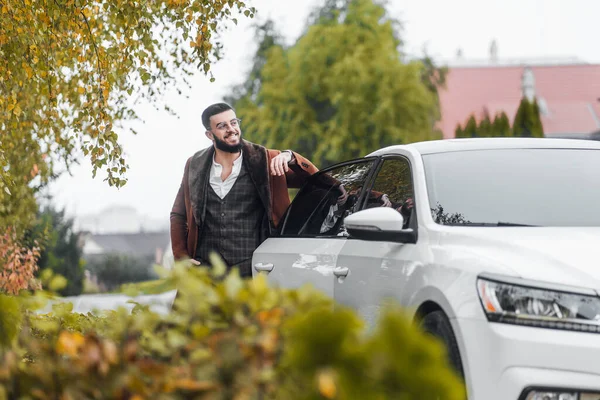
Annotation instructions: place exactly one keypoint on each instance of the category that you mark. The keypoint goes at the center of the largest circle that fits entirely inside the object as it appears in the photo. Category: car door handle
(263, 267)
(341, 271)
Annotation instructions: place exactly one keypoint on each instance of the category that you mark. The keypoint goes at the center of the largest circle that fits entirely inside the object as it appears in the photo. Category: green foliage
(10, 319)
(113, 270)
(23, 172)
(458, 131)
(500, 127)
(527, 121)
(485, 127)
(154, 286)
(342, 90)
(72, 71)
(226, 338)
(394, 361)
(61, 251)
(470, 130)
(520, 121)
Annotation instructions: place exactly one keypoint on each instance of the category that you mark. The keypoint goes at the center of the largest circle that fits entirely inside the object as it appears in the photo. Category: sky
(157, 155)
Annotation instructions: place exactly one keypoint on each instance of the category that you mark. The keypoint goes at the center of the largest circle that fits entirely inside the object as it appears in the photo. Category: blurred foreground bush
(225, 338)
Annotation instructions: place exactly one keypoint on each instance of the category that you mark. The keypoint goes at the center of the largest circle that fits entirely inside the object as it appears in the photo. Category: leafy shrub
(18, 264)
(225, 338)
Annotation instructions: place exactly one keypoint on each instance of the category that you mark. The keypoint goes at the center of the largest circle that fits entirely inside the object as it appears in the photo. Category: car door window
(393, 187)
(326, 199)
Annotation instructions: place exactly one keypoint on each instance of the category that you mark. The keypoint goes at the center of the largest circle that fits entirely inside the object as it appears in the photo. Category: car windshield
(515, 187)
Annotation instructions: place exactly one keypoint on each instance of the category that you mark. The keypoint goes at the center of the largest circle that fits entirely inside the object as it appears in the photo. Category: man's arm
(300, 168)
(179, 223)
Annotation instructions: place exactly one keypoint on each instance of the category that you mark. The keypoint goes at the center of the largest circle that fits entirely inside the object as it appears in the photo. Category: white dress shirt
(222, 187)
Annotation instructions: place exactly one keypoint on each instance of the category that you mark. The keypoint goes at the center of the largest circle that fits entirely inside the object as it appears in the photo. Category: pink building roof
(570, 95)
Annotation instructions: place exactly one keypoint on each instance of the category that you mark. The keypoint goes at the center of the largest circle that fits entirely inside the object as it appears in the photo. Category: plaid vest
(232, 225)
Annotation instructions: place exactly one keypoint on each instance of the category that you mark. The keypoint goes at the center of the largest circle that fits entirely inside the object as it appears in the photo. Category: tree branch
(87, 23)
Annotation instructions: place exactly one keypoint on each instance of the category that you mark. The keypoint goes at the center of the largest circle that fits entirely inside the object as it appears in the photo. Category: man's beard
(229, 148)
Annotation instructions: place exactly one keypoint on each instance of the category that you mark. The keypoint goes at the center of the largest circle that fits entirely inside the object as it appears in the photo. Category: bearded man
(233, 194)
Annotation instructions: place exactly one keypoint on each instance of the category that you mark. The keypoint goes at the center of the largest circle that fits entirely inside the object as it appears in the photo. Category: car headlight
(529, 306)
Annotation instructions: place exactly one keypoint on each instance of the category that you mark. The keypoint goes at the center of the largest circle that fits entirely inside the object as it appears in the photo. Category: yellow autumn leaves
(88, 351)
(327, 384)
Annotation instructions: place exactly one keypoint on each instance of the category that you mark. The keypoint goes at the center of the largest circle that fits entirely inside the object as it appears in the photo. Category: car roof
(470, 144)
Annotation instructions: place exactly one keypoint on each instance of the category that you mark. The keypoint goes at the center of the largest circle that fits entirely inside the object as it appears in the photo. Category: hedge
(225, 338)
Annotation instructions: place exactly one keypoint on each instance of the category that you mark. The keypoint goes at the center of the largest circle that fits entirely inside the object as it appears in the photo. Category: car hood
(568, 256)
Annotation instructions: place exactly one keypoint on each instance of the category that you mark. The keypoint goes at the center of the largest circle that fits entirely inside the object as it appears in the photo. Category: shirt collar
(236, 162)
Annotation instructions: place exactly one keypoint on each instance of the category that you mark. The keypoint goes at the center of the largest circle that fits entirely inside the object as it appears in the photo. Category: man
(233, 194)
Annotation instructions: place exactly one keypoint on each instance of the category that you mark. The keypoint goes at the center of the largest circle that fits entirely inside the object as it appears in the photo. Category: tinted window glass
(329, 196)
(545, 187)
(393, 187)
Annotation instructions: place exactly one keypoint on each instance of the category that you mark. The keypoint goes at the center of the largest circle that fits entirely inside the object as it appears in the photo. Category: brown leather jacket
(188, 209)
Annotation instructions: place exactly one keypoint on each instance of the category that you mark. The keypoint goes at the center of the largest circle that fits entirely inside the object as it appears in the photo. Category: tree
(61, 251)
(501, 125)
(520, 127)
(71, 71)
(433, 76)
(458, 132)
(527, 121)
(470, 130)
(342, 90)
(28, 172)
(485, 126)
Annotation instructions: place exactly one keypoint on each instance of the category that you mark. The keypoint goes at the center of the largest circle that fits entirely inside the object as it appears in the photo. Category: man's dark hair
(214, 109)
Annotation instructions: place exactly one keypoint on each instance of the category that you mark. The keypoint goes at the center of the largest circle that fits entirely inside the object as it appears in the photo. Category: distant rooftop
(120, 219)
(508, 62)
(141, 244)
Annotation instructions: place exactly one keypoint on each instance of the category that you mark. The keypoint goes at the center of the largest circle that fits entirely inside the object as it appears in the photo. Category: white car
(497, 255)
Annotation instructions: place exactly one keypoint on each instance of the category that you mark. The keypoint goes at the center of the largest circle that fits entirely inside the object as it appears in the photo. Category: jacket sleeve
(299, 171)
(179, 226)
(374, 194)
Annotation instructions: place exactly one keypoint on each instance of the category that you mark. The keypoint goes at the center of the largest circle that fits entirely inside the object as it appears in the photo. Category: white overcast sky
(523, 28)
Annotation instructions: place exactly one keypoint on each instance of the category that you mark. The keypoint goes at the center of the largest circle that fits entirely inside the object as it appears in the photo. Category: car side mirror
(379, 224)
